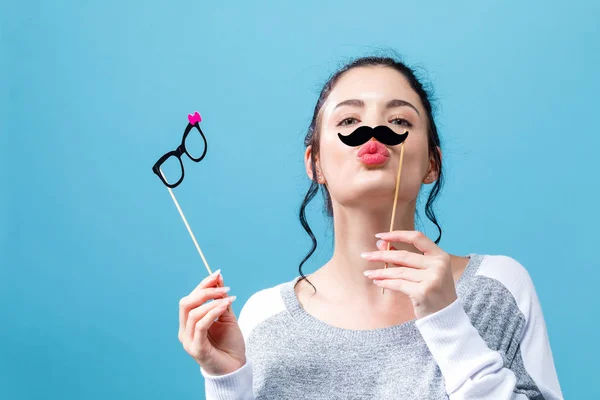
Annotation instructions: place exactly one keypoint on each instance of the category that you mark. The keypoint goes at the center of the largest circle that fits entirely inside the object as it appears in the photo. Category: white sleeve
(470, 368)
(236, 385)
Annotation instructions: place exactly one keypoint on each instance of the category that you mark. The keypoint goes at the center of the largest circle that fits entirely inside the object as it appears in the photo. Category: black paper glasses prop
(385, 135)
(193, 127)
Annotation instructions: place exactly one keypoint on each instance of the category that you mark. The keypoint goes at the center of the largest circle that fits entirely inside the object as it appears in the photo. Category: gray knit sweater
(491, 343)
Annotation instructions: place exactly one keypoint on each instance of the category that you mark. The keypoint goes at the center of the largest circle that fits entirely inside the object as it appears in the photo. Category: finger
(229, 312)
(209, 281)
(416, 238)
(201, 326)
(221, 282)
(195, 299)
(409, 274)
(411, 289)
(400, 257)
(382, 245)
(199, 312)
(192, 302)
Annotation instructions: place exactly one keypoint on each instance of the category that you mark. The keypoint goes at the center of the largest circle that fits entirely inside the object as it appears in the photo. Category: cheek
(333, 154)
(416, 155)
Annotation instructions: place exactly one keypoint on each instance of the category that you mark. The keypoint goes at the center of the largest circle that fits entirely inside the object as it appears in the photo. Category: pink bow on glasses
(194, 118)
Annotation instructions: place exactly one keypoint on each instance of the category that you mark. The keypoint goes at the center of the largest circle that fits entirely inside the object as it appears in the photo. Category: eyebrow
(390, 104)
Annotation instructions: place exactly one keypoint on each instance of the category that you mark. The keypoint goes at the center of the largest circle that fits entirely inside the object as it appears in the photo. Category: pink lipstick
(373, 153)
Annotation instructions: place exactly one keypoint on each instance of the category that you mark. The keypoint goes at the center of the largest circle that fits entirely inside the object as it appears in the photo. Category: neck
(355, 230)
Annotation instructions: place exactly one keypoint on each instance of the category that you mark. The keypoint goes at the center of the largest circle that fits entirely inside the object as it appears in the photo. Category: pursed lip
(373, 147)
(373, 153)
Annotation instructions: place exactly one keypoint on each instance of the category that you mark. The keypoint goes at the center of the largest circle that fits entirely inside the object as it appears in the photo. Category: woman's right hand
(218, 346)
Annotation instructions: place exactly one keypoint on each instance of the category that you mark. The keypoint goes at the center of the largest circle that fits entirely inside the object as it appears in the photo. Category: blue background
(94, 254)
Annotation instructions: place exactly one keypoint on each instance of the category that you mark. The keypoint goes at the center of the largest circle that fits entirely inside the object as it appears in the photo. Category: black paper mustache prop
(382, 133)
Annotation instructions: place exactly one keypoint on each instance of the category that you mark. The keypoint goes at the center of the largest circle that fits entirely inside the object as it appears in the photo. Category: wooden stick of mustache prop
(395, 200)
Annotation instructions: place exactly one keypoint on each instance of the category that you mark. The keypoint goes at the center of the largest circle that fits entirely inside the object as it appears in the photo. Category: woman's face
(369, 96)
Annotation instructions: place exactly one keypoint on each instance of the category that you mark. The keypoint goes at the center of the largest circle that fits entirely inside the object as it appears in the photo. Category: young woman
(447, 326)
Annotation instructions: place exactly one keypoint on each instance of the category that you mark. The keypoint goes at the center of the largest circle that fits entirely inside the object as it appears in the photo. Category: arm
(237, 385)
(470, 368)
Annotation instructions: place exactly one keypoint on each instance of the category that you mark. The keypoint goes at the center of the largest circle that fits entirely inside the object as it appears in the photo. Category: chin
(375, 185)
(381, 178)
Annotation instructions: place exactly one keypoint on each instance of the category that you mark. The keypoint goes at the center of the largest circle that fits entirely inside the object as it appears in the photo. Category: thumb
(228, 315)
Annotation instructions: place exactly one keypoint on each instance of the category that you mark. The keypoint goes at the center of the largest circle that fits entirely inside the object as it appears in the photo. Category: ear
(308, 165)
(433, 170)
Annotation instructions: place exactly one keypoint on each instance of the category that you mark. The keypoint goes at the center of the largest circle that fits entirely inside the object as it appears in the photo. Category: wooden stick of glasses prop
(193, 128)
(188, 227)
(373, 152)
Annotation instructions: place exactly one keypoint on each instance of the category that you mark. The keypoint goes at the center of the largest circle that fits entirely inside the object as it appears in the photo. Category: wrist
(225, 370)
(423, 312)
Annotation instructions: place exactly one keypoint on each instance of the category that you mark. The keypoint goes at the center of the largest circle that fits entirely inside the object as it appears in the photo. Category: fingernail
(224, 289)
(217, 272)
(368, 273)
(223, 305)
(379, 242)
(364, 255)
(378, 235)
(232, 299)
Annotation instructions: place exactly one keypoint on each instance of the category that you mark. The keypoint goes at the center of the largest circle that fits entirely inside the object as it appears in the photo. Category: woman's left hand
(425, 278)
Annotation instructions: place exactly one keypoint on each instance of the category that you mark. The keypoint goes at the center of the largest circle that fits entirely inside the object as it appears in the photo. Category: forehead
(375, 83)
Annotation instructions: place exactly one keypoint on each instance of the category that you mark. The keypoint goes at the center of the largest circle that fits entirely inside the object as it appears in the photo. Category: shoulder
(508, 271)
(261, 306)
(512, 275)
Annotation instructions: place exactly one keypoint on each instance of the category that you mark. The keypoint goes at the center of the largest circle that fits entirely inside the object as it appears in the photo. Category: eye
(400, 121)
(347, 121)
